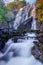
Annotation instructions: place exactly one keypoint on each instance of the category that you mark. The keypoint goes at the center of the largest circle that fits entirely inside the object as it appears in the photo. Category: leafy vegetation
(39, 10)
(16, 5)
(3, 15)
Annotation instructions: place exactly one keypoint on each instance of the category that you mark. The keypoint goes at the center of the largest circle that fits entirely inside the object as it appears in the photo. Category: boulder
(36, 52)
(41, 58)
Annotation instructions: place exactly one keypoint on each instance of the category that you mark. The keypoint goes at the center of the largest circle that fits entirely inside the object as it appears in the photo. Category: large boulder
(41, 58)
(36, 52)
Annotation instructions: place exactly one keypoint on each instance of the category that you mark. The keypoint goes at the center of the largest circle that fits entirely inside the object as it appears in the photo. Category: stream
(20, 53)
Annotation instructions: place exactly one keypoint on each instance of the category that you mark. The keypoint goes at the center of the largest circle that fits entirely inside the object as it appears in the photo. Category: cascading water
(22, 49)
(21, 16)
(33, 14)
(33, 27)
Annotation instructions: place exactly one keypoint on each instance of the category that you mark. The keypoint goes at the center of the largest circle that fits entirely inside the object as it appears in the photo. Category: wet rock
(41, 58)
(36, 52)
(4, 25)
(11, 15)
(40, 39)
(36, 43)
(14, 39)
(2, 44)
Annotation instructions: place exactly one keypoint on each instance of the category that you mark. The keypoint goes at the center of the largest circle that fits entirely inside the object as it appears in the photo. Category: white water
(34, 24)
(21, 16)
(23, 52)
(23, 49)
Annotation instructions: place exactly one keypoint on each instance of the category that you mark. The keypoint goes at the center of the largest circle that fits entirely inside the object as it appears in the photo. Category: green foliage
(3, 13)
(6, 17)
(16, 5)
(0, 18)
(11, 5)
(39, 11)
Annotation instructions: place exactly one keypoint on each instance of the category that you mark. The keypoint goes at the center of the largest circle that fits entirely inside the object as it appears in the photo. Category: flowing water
(20, 52)
(21, 16)
(22, 49)
(34, 24)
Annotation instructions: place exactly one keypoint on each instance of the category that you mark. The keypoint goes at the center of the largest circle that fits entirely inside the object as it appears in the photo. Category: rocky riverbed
(37, 49)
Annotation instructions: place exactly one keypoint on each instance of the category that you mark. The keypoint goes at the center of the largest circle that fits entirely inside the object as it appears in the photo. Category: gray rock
(10, 14)
(41, 58)
(36, 52)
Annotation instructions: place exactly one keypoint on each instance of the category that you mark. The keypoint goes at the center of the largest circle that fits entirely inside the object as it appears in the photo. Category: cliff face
(39, 10)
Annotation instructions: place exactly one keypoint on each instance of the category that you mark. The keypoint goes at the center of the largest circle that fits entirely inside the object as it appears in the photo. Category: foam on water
(24, 51)
(23, 48)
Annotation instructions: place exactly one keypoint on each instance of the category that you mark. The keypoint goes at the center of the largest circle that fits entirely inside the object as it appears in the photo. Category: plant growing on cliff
(39, 10)
(3, 15)
(16, 5)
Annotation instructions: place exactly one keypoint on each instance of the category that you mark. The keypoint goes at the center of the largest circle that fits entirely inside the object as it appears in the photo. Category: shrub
(3, 14)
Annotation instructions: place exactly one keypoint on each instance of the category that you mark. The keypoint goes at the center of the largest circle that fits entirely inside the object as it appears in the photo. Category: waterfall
(33, 27)
(33, 14)
(22, 49)
(21, 16)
